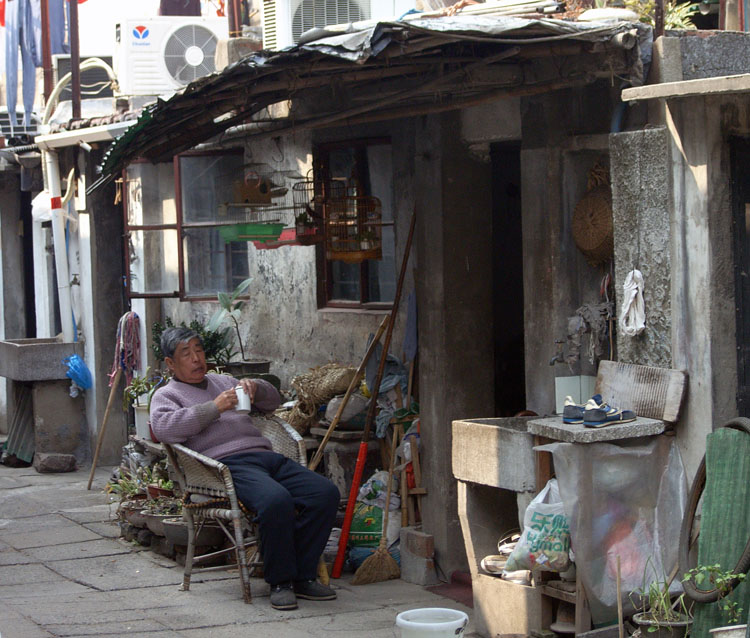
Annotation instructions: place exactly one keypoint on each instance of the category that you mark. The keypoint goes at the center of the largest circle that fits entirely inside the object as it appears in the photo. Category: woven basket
(592, 225)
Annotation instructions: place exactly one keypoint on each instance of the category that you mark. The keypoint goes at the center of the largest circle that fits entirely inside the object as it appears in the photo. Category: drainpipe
(52, 186)
(58, 237)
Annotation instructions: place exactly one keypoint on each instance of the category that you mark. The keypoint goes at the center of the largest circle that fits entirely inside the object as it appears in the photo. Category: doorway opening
(507, 280)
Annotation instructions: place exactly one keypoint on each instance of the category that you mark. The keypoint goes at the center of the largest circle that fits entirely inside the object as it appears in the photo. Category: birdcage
(259, 211)
(353, 228)
(308, 212)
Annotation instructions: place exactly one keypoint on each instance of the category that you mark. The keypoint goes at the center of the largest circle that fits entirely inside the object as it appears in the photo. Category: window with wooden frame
(361, 168)
(172, 227)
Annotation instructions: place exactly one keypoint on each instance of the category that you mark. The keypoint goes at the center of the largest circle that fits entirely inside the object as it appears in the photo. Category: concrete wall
(12, 302)
(100, 235)
(557, 277)
(455, 313)
(643, 211)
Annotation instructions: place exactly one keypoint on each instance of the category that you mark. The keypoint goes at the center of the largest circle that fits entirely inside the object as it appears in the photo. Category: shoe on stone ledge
(313, 590)
(282, 597)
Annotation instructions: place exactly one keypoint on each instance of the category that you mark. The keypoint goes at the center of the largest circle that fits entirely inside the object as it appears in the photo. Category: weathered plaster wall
(12, 302)
(642, 214)
(100, 233)
(702, 294)
(557, 277)
(282, 321)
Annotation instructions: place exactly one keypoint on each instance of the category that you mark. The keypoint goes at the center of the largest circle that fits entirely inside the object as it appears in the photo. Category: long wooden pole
(349, 391)
(100, 437)
(338, 565)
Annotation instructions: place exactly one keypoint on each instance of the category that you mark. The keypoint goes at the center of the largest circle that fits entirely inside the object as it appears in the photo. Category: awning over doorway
(388, 71)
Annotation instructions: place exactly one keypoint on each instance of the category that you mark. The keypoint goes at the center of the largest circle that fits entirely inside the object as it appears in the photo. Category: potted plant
(159, 509)
(231, 308)
(138, 393)
(156, 479)
(659, 615)
(217, 343)
(713, 577)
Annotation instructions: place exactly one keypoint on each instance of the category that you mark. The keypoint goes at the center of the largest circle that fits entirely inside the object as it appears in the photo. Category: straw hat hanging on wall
(592, 218)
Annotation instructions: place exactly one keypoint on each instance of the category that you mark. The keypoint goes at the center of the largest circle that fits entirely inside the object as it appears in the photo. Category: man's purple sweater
(186, 413)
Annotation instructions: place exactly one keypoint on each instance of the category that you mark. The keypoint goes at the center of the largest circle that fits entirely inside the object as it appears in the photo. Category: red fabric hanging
(2, 13)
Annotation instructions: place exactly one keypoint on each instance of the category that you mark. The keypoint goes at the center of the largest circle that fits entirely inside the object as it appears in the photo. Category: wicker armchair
(209, 495)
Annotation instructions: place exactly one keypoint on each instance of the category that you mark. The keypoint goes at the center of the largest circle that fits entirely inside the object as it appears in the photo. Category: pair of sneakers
(595, 413)
(284, 595)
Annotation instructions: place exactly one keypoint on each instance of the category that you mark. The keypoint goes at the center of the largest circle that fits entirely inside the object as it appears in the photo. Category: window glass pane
(381, 274)
(211, 265)
(157, 273)
(345, 285)
(206, 182)
(150, 194)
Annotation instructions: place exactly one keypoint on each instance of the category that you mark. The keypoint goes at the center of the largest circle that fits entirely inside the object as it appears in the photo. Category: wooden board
(654, 393)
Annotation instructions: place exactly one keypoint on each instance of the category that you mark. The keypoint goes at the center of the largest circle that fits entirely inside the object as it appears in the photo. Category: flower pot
(176, 531)
(730, 631)
(130, 511)
(154, 491)
(142, 429)
(663, 629)
(155, 522)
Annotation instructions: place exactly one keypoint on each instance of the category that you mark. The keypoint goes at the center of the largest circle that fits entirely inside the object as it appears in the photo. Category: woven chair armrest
(284, 438)
(206, 460)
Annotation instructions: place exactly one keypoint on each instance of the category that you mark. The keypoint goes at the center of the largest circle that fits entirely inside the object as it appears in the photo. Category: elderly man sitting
(296, 507)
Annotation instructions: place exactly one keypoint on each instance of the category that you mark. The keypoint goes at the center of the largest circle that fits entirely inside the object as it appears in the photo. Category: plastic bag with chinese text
(545, 542)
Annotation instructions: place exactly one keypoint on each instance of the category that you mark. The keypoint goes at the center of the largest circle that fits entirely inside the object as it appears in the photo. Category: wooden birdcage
(308, 212)
(353, 228)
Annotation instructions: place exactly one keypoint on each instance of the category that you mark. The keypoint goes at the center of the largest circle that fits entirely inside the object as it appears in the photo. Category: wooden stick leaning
(338, 564)
(349, 391)
(100, 437)
(381, 565)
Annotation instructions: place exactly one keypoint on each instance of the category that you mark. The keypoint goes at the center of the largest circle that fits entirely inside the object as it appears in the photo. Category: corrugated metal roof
(393, 69)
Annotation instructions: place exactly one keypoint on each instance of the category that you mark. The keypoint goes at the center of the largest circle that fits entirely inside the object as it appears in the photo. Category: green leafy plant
(658, 610)
(123, 488)
(231, 308)
(164, 505)
(140, 386)
(676, 15)
(217, 344)
(722, 580)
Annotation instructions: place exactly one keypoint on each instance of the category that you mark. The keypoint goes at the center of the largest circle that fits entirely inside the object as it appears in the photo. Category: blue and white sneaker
(597, 414)
(573, 412)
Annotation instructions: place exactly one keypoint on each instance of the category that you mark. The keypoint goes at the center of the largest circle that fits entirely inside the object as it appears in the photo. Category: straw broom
(381, 565)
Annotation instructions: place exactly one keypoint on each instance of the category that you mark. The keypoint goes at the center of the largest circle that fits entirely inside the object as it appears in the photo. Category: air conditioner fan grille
(189, 53)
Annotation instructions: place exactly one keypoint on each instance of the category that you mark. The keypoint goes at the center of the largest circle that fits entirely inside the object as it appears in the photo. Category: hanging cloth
(23, 29)
(633, 314)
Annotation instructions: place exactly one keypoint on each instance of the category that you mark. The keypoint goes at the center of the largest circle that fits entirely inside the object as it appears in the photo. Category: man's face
(189, 362)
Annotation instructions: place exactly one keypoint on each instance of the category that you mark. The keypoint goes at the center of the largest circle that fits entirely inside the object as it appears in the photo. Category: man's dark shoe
(282, 597)
(313, 590)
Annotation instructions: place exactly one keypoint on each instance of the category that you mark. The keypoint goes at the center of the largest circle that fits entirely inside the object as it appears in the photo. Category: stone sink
(496, 452)
(36, 359)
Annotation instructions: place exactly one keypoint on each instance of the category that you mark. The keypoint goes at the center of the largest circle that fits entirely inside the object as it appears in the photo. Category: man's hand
(226, 400)
(250, 386)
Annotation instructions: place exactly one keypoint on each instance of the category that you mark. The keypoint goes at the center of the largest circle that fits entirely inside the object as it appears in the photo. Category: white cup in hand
(243, 400)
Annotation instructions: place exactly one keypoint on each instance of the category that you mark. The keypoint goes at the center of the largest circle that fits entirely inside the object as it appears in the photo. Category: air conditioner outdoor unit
(156, 56)
(285, 20)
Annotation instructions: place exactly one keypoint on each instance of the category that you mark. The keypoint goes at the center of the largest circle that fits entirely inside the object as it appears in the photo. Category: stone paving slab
(126, 571)
(32, 594)
(10, 556)
(28, 574)
(105, 626)
(91, 514)
(107, 530)
(86, 549)
(13, 624)
(38, 523)
(63, 534)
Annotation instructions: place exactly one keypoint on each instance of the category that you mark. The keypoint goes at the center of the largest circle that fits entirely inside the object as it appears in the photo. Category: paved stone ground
(64, 571)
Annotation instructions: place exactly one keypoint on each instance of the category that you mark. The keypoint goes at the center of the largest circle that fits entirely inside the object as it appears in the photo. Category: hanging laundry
(2, 13)
(179, 8)
(59, 19)
(23, 29)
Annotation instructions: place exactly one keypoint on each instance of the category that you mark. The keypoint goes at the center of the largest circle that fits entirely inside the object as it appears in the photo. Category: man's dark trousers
(296, 509)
